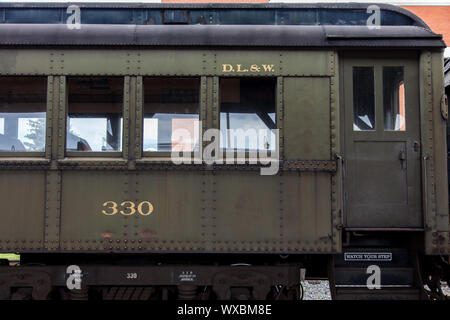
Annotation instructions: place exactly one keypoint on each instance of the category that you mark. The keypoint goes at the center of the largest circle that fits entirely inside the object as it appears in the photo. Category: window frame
(166, 155)
(383, 69)
(48, 118)
(247, 154)
(410, 65)
(95, 154)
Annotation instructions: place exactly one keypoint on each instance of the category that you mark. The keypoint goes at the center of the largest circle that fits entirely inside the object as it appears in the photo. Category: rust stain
(147, 234)
(106, 234)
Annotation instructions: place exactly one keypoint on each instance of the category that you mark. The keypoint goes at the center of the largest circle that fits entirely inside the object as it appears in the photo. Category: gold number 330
(144, 208)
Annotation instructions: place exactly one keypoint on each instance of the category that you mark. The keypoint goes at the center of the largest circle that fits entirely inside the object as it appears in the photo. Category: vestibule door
(382, 143)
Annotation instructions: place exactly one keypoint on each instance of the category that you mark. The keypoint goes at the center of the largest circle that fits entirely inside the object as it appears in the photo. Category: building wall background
(437, 17)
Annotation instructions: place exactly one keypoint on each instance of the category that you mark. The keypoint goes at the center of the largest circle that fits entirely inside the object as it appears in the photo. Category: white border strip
(395, 2)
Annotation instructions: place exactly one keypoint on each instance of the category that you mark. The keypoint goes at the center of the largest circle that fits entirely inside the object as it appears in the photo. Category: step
(350, 293)
(388, 276)
(363, 257)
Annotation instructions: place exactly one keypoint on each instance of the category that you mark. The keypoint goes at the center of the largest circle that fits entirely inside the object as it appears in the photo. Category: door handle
(402, 158)
(416, 146)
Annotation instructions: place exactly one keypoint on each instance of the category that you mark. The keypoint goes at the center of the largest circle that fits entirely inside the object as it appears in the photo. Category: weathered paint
(197, 209)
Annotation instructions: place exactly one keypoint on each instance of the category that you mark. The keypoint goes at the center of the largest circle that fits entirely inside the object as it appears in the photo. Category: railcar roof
(220, 36)
(268, 25)
(213, 13)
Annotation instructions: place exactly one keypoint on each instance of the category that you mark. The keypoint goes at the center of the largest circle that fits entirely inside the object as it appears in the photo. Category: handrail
(340, 171)
(425, 190)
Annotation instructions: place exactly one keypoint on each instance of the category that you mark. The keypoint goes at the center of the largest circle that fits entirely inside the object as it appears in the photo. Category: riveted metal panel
(206, 105)
(209, 60)
(56, 62)
(306, 63)
(53, 176)
(172, 62)
(246, 210)
(337, 192)
(98, 62)
(52, 210)
(271, 63)
(51, 115)
(62, 117)
(83, 196)
(247, 63)
(29, 62)
(134, 140)
(166, 62)
(307, 211)
(138, 111)
(203, 109)
(440, 242)
(215, 112)
(280, 116)
(307, 118)
(426, 115)
(176, 222)
(126, 117)
(22, 212)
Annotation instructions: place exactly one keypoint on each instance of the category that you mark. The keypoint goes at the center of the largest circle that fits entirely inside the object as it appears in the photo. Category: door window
(363, 99)
(394, 99)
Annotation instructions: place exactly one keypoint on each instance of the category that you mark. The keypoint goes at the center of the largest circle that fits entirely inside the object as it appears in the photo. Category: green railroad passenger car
(221, 151)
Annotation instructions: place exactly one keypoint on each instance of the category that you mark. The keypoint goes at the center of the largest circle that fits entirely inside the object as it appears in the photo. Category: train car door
(382, 143)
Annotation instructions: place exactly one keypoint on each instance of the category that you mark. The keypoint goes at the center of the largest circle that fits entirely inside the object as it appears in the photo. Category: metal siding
(83, 194)
(23, 210)
(31, 61)
(174, 223)
(171, 62)
(247, 211)
(176, 198)
(98, 62)
(307, 118)
(442, 236)
(307, 211)
(426, 117)
(336, 153)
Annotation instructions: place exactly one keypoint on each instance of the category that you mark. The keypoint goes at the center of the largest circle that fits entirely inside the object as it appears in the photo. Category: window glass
(363, 99)
(95, 120)
(247, 114)
(23, 103)
(171, 114)
(394, 99)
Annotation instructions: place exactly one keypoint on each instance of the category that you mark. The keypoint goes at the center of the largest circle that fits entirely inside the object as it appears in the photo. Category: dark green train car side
(333, 133)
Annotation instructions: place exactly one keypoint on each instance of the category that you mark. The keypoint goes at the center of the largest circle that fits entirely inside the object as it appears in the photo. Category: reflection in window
(363, 99)
(94, 120)
(23, 102)
(394, 99)
(171, 114)
(247, 114)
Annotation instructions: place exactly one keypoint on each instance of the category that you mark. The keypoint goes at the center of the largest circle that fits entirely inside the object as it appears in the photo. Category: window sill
(24, 163)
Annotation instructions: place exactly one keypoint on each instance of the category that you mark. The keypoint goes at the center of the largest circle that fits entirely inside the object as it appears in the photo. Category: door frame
(410, 61)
